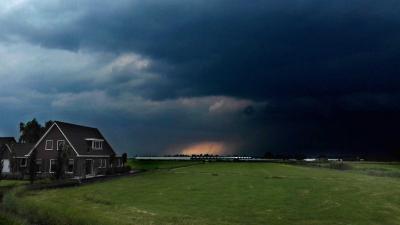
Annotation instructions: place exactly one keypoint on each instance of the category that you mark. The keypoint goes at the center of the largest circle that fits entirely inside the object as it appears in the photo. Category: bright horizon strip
(208, 147)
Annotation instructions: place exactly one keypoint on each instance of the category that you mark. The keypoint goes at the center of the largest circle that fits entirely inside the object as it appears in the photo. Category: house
(6, 152)
(89, 153)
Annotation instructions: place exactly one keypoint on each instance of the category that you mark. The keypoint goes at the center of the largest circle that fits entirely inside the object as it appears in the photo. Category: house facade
(5, 152)
(88, 152)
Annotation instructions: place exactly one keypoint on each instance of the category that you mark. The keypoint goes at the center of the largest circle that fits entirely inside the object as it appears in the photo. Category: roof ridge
(73, 124)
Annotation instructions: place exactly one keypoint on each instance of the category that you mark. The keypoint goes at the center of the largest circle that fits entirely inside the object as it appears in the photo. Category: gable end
(45, 134)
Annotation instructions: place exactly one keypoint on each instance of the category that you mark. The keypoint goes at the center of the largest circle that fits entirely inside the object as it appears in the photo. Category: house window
(38, 165)
(53, 165)
(97, 145)
(70, 168)
(49, 145)
(117, 163)
(60, 144)
(103, 163)
(23, 162)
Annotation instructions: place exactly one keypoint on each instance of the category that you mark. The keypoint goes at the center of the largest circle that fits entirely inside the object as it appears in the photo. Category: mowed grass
(377, 168)
(5, 218)
(223, 193)
(159, 164)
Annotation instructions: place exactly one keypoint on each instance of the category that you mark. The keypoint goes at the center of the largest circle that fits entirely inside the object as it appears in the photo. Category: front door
(89, 167)
(6, 166)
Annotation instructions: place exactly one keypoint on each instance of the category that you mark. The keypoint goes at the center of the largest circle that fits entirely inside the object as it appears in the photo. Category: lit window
(60, 144)
(49, 145)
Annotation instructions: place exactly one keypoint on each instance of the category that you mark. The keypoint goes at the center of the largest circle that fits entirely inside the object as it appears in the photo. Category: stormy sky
(220, 76)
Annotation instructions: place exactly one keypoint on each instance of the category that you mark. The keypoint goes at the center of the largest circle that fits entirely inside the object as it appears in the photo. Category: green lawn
(377, 168)
(6, 218)
(156, 164)
(222, 193)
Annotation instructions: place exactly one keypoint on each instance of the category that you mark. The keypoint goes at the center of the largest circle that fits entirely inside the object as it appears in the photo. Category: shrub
(124, 169)
(13, 176)
(44, 214)
(338, 165)
(48, 184)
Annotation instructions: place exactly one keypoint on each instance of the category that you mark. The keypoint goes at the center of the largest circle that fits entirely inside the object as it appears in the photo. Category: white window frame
(73, 166)
(58, 141)
(26, 162)
(51, 164)
(103, 163)
(52, 145)
(100, 145)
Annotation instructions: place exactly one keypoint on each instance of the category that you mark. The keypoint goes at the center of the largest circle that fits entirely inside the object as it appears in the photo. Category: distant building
(310, 160)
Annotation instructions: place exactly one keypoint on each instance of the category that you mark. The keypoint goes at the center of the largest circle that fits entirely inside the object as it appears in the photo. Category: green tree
(112, 162)
(13, 160)
(31, 131)
(63, 156)
(112, 159)
(124, 158)
(32, 166)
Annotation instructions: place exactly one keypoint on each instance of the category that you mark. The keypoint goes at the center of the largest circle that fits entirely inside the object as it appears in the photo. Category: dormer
(95, 143)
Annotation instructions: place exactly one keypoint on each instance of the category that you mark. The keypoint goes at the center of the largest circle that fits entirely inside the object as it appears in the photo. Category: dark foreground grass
(11, 183)
(221, 193)
(7, 218)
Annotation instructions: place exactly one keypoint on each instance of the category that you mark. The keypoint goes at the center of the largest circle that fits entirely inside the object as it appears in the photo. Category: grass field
(6, 218)
(222, 193)
(377, 168)
(153, 164)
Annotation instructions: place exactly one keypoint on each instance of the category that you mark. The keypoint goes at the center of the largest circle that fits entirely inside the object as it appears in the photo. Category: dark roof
(7, 140)
(21, 149)
(78, 134)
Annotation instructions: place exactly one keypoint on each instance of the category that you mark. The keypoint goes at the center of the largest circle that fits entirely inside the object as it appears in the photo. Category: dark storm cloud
(258, 50)
(325, 68)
